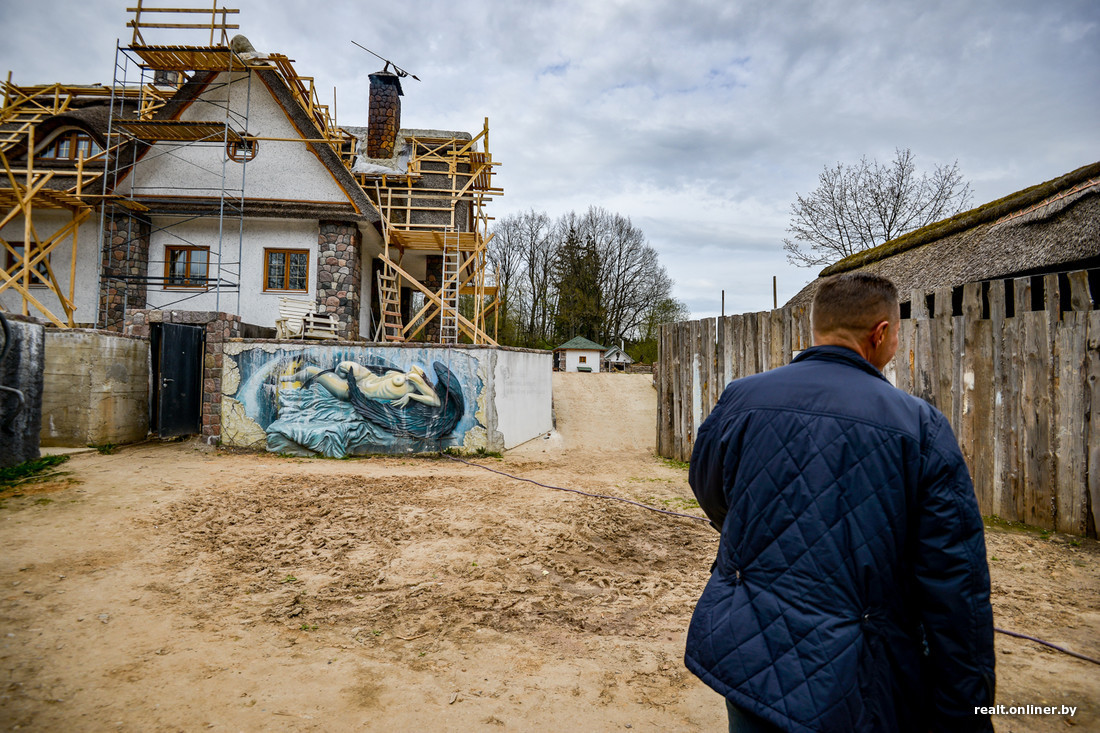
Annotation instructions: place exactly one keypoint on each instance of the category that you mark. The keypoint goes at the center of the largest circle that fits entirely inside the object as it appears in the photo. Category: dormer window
(69, 145)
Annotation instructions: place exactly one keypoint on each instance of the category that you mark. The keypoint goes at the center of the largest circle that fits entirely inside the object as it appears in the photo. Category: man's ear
(878, 333)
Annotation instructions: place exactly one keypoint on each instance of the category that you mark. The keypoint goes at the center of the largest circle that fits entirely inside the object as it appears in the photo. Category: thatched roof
(1051, 227)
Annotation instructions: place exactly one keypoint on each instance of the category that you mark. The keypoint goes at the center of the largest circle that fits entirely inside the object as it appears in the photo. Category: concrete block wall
(95, 388)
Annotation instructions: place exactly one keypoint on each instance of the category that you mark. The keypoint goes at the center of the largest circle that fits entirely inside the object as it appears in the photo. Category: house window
(68, 145)
(40, 275)
(286, 269)
(242, 150)
(186, 267)
(584, 359)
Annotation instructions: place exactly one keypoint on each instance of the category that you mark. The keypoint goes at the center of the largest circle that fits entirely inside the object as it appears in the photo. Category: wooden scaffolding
(438, 206)
(28, 188)
(435, 205)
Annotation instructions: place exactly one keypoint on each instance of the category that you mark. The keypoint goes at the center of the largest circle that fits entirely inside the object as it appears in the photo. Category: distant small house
(615, 359)
(578, 355)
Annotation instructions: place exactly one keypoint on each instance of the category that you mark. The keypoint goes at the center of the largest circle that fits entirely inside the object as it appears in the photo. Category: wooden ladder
(389, 305)
(448, 316)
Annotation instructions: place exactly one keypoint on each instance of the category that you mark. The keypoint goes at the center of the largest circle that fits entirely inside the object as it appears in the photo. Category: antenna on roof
(400, 72)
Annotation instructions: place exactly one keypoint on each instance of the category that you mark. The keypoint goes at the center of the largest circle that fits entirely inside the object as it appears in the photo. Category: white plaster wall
(87, 266)
(523, 391)
(573, 359)
(280, 170)
(256, 306)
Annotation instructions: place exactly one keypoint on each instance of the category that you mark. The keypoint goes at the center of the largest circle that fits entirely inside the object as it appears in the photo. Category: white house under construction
(211, 178)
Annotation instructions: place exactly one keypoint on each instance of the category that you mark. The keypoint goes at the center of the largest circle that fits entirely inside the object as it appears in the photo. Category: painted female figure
(402, 403)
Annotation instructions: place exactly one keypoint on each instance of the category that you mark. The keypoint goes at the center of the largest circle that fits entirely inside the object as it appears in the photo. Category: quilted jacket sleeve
(705, 473)
(953, 586)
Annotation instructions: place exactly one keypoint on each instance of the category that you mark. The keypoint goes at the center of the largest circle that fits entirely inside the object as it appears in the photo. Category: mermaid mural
(364, 408)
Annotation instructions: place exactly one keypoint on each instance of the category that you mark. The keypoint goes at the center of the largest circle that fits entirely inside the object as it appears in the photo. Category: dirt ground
(174, 587)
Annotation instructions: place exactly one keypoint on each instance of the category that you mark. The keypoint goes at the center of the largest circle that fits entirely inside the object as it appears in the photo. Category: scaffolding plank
(45, 198)
(189, 58)
(431, 241)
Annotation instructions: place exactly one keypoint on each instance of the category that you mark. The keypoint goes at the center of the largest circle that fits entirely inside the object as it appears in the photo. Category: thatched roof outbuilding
(1048, 228)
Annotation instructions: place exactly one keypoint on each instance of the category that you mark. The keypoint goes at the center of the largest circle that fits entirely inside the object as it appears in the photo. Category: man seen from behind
(851, 590)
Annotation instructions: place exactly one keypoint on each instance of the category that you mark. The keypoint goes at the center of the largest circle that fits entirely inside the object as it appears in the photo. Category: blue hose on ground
(703, 519)
(578, 491)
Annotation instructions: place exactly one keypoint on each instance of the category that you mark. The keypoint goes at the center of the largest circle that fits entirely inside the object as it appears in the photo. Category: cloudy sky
(700, 121)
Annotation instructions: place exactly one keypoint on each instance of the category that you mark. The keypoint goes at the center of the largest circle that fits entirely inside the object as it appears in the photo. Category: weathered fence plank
(923, 363)
(1069, 424)
(1092, 395)
(710, 329)
(1035, 405)
(999, 408)
(904, 359)
(779, 353)
(943, 354)
(975, 399)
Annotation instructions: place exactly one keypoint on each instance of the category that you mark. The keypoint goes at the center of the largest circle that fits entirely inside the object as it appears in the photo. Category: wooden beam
(470, 329)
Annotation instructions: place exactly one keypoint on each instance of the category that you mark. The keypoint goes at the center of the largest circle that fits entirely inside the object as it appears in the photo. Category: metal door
(177, 378)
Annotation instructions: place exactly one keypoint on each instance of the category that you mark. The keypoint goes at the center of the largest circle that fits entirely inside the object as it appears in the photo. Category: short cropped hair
(853, 302)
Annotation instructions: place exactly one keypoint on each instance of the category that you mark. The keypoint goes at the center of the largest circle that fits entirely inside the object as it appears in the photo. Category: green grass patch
(673, 463)
(39, 469)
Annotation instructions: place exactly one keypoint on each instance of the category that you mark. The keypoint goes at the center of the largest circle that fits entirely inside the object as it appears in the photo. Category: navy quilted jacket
(851, 590)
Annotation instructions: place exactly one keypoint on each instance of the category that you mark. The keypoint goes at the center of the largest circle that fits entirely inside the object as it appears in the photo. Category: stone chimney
(385, 114)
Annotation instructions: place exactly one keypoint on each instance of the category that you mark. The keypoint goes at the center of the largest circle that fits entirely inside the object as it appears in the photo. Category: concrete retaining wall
(522, 395)
(21, 369)
(95, 388)
(296, 398)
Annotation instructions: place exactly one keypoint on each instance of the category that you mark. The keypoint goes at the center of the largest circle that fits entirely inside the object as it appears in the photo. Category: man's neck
(837, 339)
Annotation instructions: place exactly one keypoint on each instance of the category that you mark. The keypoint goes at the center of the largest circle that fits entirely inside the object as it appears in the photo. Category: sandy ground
(172, 587)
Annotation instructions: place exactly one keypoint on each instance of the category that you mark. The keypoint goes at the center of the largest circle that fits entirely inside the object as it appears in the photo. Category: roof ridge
(984, 214)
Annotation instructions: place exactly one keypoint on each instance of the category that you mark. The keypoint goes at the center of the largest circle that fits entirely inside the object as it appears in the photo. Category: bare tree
(856, 207)
(522, 254)
(592, 275)
(506, 259)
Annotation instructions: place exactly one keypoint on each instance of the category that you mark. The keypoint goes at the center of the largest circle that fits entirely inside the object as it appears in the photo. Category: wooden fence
(1013, 364)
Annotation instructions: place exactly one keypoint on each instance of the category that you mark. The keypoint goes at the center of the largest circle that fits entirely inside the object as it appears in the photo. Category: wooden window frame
(77, 140)
(187, 284)
(268, 251)
(242, 151)
(10, 264)
(582, 359)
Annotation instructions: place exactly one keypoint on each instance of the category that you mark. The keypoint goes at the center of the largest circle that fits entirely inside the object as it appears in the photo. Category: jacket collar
(840, 355)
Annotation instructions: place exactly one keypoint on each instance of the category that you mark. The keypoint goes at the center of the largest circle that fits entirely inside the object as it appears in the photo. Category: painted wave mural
(338, 401)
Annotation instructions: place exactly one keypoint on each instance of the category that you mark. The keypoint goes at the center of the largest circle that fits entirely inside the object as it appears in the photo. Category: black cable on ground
(1046, 643)
(578, 491)
(703, 519)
